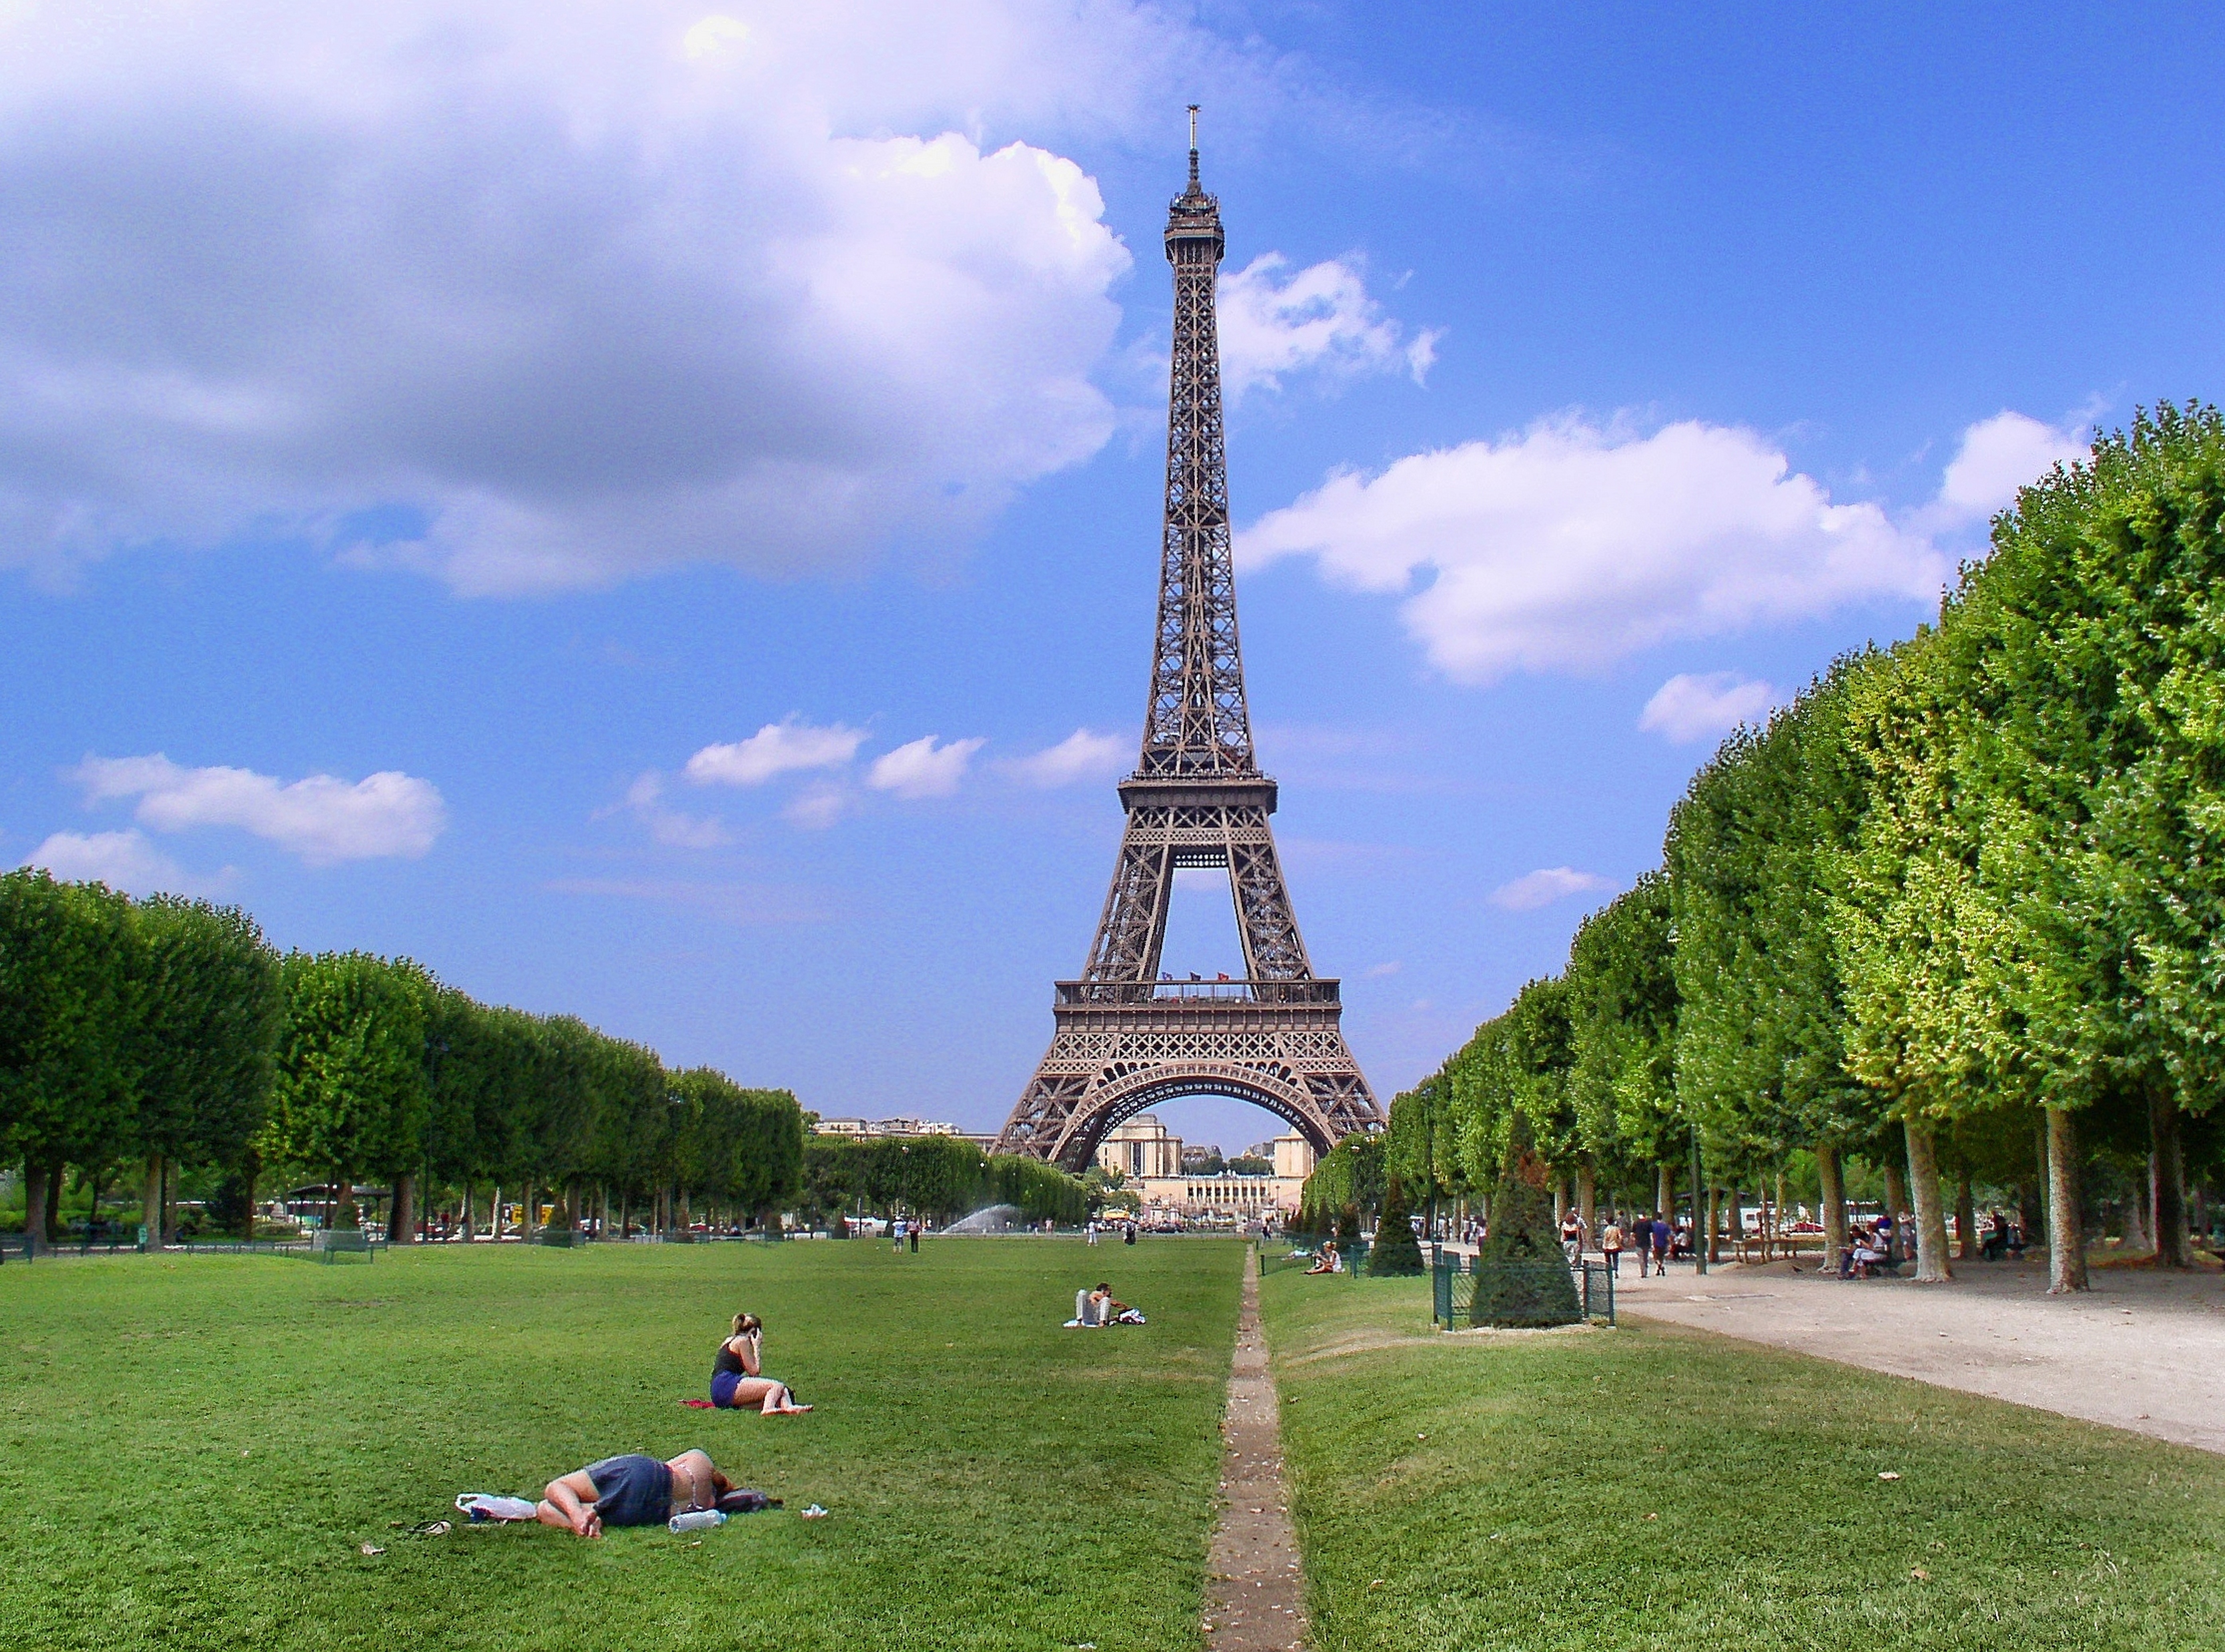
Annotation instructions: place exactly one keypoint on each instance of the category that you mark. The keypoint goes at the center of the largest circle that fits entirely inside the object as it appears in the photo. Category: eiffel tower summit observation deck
(1127, 1036)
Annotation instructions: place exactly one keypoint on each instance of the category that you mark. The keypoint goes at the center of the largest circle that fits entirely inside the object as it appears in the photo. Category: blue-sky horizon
(651, 509)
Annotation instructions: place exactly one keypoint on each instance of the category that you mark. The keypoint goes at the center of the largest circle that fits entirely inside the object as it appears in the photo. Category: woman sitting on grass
(738, 1377)
(630, 1492)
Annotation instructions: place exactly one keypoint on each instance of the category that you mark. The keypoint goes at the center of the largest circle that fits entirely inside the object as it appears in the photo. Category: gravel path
(1255, 1600)
(2140, 1351)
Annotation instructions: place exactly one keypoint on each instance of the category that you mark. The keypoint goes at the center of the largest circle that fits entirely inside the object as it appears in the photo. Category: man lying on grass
(631, 1490)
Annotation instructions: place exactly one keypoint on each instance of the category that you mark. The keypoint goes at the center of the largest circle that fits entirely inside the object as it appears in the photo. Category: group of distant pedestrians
(1650, 1237)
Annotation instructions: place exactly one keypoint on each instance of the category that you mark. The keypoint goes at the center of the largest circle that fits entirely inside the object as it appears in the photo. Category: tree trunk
(54, 1230)
(2167, 1180)
(1835, 1204)
(1896, 1200)
(1664, 1193)
(1966, 1219)
(401, 1214)
(1709, 1235)
(1560, 1201)
(34, 1206)
(1930, 1216)
(625, 1198)
(494, 1221)
(2066, 1245)
(345, 1214)
(1587, 1201)
(528, 1214)
(150, 1200)
(463, 1203)
(2132, 1231)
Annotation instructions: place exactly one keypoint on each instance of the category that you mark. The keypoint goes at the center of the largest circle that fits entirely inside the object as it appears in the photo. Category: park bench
(333, 1243)
(1754, 1247)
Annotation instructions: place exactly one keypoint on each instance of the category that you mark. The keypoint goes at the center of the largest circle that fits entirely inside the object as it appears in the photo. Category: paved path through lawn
(1255, 1601)
(2140, 1351)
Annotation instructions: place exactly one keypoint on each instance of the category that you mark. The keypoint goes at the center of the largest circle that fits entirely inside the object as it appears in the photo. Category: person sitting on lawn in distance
(738, 1378)
(631, 1490)
(1324, 1259)
(1110, 1310)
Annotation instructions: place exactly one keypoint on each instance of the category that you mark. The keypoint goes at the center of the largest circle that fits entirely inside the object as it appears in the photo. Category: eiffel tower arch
(1126, 1037)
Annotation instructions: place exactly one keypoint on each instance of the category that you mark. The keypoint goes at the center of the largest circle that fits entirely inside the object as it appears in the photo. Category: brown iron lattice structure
(1127, 1038)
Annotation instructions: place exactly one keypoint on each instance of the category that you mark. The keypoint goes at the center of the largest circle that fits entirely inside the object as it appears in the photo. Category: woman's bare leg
(562, 1507)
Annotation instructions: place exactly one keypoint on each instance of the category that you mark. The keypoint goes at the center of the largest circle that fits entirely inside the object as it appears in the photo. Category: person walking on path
(1611, 1244)
(914, 1236)
(1660, 1247)
(1572, 1237)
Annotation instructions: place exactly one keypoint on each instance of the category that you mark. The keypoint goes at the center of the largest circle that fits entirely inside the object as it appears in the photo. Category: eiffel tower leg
(1132, 930)
(1273, 949)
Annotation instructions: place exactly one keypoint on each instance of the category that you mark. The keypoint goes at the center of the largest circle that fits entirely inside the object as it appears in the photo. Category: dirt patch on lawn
(1255, 1598)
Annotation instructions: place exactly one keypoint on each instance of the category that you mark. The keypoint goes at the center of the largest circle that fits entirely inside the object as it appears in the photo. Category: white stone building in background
(1148, 1156)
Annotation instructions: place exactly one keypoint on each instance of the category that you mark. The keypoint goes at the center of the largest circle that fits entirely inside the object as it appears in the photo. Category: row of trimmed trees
(1956, 913)
(155, 1036)
(935, 1176)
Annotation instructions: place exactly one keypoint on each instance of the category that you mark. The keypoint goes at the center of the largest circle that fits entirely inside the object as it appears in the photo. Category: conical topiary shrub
(1395, 1251)
(1521, 1274)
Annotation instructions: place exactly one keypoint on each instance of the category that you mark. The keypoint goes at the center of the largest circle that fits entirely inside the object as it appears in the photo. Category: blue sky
(446, 437)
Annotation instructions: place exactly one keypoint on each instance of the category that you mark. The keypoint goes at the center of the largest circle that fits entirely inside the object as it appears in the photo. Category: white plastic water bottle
(696, 1520)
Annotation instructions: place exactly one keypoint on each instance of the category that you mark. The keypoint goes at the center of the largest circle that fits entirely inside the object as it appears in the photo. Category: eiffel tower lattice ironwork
(1126, 1037)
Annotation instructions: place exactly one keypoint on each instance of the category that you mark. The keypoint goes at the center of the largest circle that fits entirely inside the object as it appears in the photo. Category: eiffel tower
(1126, 1037)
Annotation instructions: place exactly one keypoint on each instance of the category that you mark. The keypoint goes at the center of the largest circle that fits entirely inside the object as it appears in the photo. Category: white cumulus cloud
(1690, 706)
(321, 818)
(922, 768)
(1083, 755)
(2000, 455)
(1275, 320)
(1572, 545)
(1544, 886)
(775, 749)
(123, 860)
(561, 291)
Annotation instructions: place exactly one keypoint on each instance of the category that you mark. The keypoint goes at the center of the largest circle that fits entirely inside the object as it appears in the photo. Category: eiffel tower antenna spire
(1197, 799)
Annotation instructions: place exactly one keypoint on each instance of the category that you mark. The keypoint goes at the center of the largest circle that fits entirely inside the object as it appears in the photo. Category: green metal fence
(1452, 1286)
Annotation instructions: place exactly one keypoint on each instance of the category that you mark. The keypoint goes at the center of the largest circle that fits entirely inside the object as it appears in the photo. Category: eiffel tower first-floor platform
(1120, 1047)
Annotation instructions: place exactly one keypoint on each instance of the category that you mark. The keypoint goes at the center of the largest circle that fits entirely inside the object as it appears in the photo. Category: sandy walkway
(1256, 1593)
(2140, 1351)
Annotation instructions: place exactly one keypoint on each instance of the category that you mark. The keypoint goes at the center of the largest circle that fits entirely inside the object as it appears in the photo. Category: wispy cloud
(1689, 707)
(775, 749)
(922, 768)
(1277, 321)
(674, 828)
(323, 819)
(1081, 755)
(124, 860)
(1542, 888)
(1575, 543)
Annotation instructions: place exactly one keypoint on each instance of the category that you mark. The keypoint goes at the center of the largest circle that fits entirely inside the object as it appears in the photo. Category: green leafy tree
(2096, 651)
(66, 1085)
(351, 1091)
(206, 1010)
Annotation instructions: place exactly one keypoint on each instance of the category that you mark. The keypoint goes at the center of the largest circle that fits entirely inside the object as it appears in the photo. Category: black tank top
(728, 1360)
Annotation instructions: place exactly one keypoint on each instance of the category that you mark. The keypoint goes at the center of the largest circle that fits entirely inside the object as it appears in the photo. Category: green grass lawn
(191, 1449)
(1647, 1488)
